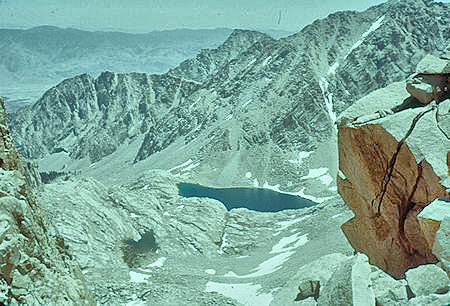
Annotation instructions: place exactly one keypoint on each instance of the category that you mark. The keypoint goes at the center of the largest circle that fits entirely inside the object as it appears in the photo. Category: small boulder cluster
(337, 279)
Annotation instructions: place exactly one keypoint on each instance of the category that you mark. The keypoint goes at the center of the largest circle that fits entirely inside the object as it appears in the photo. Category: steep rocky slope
(393, 160)
(276, 99)
(36, 265)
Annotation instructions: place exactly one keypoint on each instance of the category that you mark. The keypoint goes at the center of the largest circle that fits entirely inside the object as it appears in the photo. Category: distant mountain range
(252, 105)
(34, 60)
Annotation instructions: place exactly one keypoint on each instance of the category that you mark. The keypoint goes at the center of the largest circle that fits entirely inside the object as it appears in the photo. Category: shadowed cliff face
(36, 266)
(393, 163)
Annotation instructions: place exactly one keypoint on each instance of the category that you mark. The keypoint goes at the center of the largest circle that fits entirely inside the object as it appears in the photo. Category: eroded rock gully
(391, 167)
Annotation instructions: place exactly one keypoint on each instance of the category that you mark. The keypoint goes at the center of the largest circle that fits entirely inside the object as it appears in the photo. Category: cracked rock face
(36, 266)
(394, 163)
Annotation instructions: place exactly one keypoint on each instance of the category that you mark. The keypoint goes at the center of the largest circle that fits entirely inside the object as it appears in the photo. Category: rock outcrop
(35, 263)
(393, 162)
(427, 279)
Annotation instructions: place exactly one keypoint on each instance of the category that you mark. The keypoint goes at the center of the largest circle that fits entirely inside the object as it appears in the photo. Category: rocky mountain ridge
(276, 99)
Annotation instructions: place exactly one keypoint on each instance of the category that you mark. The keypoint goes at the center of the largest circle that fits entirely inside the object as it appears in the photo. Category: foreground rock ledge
(393, 163)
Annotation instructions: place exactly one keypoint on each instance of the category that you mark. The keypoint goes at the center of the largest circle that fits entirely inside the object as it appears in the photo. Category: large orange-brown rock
(393, 162)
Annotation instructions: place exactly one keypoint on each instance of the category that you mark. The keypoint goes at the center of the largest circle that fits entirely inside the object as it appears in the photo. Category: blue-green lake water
(258, 199)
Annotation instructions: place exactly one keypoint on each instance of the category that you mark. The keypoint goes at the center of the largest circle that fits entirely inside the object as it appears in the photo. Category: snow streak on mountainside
(268, 100)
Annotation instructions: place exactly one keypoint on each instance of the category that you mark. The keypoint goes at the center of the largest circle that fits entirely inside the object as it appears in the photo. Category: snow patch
(333, 68)
(285, 224)
(137, 277)
(251, 62)
(158, 263)
(301, 155)
(266, 61)
(196, 101)
(328, 99)
(224, 244)
(266, 267)
(210, 271)
(284, 249)
(136, 302)
(294, 240)
(311, 197)
(321, 174)
(181, 165)
(248, 175)
(326, 179)
(190, 167)
(246, 294)
(247, 103)
(300, 193)
(372, 28)
(338, 215)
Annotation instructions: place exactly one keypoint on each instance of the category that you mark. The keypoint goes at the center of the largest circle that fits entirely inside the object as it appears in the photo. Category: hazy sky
(149, 15)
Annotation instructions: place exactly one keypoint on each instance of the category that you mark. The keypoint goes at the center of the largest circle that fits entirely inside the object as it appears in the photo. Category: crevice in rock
(404, 210)
(439, 127)
(388, 175)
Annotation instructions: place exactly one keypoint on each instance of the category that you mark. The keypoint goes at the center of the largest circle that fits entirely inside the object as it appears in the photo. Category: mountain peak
(209, 62)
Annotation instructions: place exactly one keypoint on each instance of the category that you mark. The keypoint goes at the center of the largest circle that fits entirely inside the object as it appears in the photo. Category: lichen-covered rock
(35, 263)
(427, 279)
(392, 165)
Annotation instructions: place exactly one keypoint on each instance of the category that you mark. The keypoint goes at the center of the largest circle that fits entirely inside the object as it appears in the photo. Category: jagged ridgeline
(249, 105)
